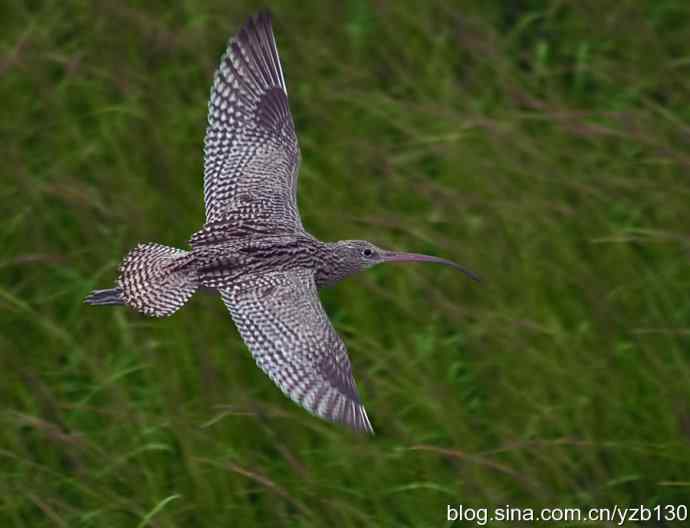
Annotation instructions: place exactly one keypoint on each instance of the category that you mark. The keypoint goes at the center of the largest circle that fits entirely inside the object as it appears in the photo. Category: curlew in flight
(253, 248)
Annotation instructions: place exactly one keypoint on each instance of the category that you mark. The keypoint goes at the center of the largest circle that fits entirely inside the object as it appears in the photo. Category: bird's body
(221, 265)
(253, 249)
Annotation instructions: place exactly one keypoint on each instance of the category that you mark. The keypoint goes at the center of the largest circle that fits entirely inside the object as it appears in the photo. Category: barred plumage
(253, 248)
(280, 318)
(251, 150)
(157, 280)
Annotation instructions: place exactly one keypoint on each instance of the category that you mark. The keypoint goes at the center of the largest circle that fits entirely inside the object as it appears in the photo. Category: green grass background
(545, 145)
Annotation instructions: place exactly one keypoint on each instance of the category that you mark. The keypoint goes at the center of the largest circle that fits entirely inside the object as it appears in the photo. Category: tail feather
(157, 280)
(154, 279)
(105, 297)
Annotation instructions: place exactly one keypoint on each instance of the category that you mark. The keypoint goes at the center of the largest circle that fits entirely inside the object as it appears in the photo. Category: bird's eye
(368, 252)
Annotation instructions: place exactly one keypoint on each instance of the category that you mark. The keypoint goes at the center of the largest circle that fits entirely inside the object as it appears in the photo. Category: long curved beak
(394, 256)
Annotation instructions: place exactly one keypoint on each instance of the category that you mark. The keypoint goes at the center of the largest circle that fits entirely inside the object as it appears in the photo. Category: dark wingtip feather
(362, 423)
(353, 415)
(264, 16)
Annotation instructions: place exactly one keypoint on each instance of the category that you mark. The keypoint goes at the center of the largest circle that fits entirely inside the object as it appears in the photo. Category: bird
(252, 249)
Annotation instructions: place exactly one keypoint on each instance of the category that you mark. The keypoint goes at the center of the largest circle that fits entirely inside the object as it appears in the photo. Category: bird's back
(222, 264)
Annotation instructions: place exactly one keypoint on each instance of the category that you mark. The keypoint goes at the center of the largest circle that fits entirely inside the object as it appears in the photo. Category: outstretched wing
(251, 154)
(280, 317)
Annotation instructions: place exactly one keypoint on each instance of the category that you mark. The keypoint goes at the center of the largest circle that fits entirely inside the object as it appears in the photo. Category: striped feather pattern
(157, 280)
(106, 297)
(251, 154)
(280, 318)
(222, 265)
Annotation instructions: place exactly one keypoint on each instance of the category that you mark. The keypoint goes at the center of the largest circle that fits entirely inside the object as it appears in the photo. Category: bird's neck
(329, 269)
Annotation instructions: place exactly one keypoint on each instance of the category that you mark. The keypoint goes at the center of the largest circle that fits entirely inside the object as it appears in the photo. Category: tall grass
(543, 144)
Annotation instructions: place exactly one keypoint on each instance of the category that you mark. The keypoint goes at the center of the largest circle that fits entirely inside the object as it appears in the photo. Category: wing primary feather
(249, 38)
(276, 56)
(256, 49)
(250, 82)
(239, 78)
(266, 45)
(264, 30)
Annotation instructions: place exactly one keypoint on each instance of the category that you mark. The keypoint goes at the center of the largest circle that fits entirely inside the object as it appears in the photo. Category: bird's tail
(154, 279)
(104, 297)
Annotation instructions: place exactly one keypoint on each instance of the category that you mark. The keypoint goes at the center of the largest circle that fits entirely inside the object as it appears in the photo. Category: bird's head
(352, 256)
